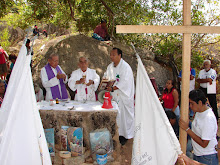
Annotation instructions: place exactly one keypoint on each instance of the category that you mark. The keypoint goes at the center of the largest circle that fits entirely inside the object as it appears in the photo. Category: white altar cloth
(75, 106)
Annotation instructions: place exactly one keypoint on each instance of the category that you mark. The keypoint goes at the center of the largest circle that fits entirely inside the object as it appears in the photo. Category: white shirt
(124, 96)
(52, 82)
(84, 92)
(205, 126)
(204, 75)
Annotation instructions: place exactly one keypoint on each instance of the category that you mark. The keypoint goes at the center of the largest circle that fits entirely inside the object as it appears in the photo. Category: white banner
(155, 142)
(23, 140)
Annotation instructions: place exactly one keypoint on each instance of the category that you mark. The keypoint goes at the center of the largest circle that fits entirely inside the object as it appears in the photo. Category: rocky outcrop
(16, 34)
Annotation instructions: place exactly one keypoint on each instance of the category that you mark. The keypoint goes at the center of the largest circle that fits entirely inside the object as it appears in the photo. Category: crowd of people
(203, 124)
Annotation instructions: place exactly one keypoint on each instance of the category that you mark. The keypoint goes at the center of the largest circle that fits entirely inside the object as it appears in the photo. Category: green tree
(4, 39)
(5, 7)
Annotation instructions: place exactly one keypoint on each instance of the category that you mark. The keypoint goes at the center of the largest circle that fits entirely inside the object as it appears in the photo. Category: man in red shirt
(101, 32)
(3, 65)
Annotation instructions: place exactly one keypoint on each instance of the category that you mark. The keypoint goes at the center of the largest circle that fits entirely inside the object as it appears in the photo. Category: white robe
(124, 96)
(52, 82)
(81, 88)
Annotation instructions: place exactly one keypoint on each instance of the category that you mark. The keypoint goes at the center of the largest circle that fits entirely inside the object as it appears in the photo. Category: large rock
(71, 47)
(16, 34)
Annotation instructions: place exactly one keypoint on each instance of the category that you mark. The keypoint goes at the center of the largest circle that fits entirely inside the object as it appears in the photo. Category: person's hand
(82, 80)
(108, 89)
(184, 125)
(185, 160)
(210, 81)
(61, 75)
(90, 83)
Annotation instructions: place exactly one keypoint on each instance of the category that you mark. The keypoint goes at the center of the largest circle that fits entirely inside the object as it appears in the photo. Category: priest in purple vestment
(54, 79)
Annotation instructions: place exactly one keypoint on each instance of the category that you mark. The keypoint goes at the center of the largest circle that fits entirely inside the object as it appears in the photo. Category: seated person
(45, 33)
(84, 81)
(101, 32)
(38, 93)
(36, 30)
(170, 98)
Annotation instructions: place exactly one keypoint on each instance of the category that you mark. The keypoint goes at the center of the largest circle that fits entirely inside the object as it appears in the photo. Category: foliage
(5, 6)
(4, 39)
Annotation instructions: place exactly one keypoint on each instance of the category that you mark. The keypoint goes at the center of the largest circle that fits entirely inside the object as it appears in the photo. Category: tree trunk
(111, 16)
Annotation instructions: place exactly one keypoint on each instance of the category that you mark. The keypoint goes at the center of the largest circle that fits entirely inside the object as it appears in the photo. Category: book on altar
(105, 83)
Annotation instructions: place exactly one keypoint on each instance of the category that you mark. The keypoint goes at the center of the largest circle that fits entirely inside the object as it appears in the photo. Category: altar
(87, 115)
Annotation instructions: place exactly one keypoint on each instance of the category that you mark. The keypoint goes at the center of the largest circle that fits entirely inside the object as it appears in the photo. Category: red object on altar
(107, 101)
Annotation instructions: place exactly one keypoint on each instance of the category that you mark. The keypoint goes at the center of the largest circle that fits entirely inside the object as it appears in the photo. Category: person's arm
(80, 81)
(111, 89)
(183, 159)
(176, 99)
(185, 126)
(95, 80)
(73, 81)
(63, 76)
(192, 74)
(204, 80)
(48, 83)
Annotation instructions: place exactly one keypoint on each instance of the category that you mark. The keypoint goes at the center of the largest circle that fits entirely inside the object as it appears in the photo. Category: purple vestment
(55, 89)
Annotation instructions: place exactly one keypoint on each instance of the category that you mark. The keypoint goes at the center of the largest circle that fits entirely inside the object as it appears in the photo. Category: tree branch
(106, 6)
(71, 10)
(212, 43)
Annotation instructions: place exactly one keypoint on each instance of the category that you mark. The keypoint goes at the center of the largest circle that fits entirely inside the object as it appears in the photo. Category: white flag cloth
(22, 138)
(155, 142)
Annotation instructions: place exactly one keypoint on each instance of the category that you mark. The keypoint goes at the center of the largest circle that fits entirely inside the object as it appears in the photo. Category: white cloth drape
(23, 140)
(155, 142)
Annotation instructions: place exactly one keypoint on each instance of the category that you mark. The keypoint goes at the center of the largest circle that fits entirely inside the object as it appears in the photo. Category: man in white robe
(84, 81)
(123, 93)
(54, 79)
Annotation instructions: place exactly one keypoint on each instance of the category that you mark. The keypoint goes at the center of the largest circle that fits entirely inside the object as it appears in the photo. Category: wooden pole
(185, 72)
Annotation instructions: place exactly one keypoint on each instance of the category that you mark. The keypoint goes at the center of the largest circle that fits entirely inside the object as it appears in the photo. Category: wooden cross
(187, 30)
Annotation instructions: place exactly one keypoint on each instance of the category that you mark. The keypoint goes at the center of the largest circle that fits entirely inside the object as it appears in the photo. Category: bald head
(207, 65)
(83, 63)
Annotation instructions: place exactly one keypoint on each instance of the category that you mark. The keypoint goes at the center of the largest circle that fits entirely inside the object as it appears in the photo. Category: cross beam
(166, 29)
(187, 30)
